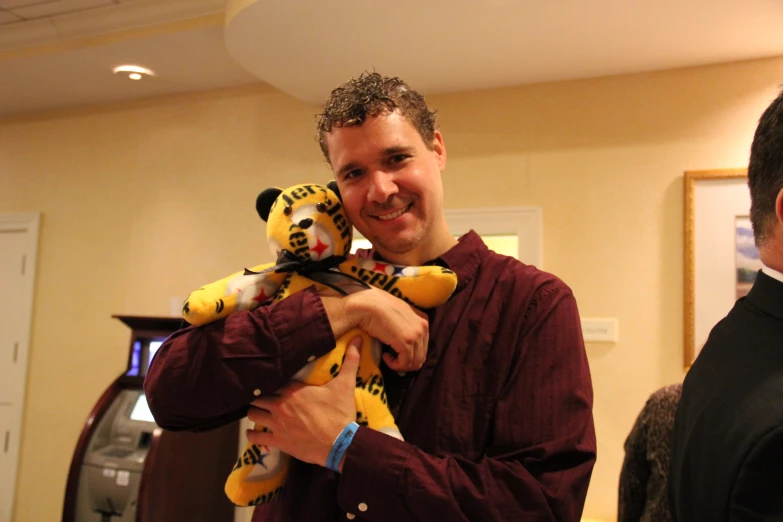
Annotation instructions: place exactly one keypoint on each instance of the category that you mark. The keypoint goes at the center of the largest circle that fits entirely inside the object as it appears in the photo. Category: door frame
(29, 223)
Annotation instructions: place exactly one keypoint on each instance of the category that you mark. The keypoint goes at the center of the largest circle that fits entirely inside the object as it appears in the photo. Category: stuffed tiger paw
(309, 233)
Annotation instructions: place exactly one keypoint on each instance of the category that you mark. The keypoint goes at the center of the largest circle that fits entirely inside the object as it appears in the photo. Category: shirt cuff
(302, 328)
(372, 475)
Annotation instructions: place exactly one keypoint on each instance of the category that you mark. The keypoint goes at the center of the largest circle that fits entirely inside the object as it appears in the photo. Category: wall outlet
(602, 330)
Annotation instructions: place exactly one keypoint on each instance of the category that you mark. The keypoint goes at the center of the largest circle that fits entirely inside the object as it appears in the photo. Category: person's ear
(439, 148)
(779, 206)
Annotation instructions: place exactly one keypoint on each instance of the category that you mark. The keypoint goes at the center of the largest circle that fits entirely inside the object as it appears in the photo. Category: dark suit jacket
(727, 445)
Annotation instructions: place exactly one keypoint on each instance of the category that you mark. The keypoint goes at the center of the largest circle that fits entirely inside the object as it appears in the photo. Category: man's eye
(398, 158)
(353, 174)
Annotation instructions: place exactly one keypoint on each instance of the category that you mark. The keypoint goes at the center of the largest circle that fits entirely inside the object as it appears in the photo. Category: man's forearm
(414, 484)
(210, 374)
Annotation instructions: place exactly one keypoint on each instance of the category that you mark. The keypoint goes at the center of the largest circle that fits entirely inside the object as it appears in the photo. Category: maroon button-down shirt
(498, 423)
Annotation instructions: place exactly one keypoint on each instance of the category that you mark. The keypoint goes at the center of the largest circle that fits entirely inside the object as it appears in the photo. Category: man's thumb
(351, 363)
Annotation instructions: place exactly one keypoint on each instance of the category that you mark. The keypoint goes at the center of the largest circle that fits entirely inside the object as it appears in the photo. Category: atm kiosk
(127, 469)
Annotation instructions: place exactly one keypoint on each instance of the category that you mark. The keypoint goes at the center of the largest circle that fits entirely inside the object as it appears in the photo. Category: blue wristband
(340, 445)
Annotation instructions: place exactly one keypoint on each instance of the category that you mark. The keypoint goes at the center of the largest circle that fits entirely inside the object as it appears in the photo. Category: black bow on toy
(318, 271)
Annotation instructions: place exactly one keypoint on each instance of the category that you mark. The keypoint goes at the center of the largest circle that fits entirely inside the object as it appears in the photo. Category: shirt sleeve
(205, 377)
(542, 453)
(635, 471)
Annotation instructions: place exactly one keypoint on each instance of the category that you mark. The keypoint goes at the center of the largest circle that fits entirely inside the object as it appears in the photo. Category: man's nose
(382, 187)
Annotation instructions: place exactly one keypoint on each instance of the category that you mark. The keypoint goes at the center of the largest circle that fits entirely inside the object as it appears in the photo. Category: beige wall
(142, 202)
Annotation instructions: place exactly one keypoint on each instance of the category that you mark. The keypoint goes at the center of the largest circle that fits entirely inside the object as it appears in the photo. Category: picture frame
(717, 206)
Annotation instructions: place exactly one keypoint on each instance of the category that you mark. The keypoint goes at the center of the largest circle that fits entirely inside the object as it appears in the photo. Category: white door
(18, 244)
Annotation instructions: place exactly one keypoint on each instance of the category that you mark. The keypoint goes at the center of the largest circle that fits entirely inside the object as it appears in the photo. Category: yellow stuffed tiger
(309, 233)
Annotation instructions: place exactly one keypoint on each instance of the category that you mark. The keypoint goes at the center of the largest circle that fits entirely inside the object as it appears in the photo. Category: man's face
(390, 183)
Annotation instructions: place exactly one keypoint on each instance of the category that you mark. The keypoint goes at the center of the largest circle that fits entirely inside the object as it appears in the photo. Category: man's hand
(305, 420)
(387, 318)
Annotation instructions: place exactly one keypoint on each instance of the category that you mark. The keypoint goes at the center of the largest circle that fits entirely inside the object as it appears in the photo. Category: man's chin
(398, 245)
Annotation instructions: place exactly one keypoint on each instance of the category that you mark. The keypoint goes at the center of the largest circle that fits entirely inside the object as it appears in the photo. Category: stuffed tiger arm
(240, 291)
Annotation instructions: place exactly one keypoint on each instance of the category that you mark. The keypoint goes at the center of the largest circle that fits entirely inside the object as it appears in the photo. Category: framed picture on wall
(721, 260)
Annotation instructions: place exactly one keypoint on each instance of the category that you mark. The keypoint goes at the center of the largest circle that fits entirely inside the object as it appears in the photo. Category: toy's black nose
(305, 223)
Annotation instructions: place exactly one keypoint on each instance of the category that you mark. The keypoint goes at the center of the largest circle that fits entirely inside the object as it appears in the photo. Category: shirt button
(350, 516)
(311, 358)
(362, 507)
(256, 392)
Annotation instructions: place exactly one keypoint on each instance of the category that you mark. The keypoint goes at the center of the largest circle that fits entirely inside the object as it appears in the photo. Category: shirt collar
(767, 293)
(772, 273)
(463, 258)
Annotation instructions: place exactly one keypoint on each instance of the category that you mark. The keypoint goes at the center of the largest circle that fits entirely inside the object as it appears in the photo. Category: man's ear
(332, 185)
(779, 206)
(439, 148)
(265, 201)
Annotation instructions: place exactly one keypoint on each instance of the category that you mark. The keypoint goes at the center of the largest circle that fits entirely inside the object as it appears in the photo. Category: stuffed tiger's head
(307, 220)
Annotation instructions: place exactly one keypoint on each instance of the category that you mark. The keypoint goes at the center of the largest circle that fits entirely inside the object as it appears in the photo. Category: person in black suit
(727, 445)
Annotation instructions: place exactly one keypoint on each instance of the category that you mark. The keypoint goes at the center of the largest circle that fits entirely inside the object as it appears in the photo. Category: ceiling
(60, 53)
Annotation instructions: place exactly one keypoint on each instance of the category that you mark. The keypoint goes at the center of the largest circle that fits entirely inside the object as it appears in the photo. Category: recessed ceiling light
(133, 72)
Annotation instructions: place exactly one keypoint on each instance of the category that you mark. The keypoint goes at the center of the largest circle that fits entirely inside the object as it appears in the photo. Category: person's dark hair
(371, 95)
(765, 170)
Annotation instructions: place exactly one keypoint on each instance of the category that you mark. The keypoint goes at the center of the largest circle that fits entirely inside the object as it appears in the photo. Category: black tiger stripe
(333, 210)
(388, 286)
(256, 451)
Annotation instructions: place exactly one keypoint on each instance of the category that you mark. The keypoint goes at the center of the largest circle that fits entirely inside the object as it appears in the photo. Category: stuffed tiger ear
(332, 185)
(265, 201)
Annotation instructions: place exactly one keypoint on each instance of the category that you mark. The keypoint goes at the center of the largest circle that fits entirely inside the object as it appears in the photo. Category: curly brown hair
(371, 95)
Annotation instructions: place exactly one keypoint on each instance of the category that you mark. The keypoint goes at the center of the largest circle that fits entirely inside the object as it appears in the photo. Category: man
(727, 448)
(491, 391)
(643, 493)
